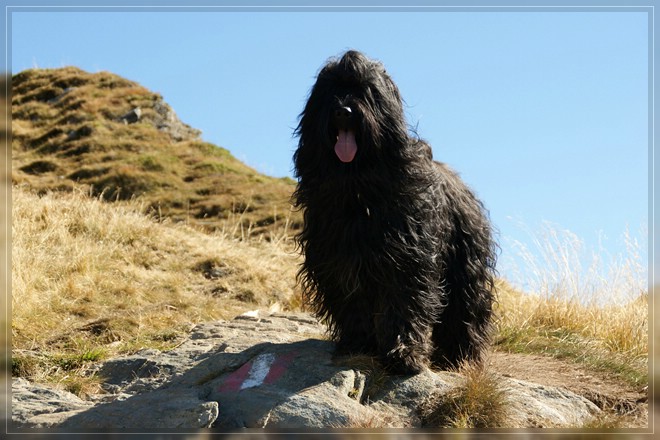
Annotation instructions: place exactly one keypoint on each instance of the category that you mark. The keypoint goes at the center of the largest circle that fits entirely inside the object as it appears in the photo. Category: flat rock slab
(270, 372)
(38, 406)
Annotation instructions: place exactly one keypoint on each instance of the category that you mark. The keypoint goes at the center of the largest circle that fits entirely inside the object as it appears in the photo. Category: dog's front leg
(402, 342)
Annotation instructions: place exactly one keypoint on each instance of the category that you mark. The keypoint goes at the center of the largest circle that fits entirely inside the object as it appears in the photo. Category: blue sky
(544, 114)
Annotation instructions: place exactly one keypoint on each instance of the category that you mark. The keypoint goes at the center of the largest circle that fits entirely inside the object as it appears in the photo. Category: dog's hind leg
(463, 331)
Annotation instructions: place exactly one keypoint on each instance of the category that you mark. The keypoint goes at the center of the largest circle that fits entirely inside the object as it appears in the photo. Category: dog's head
(354, 112)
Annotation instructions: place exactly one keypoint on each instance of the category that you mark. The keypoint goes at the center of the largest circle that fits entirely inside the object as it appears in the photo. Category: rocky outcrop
(166, 120)
(273, 372)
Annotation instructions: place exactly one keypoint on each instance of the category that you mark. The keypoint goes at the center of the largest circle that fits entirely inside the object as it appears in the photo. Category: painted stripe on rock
(259, 370)
(234, 381)
(279, 367)
(265, 368)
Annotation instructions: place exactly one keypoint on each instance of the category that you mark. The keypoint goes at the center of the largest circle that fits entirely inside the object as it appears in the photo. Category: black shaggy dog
(399, 259)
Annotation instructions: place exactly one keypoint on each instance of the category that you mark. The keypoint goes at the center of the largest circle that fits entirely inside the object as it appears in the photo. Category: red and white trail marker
(263, 369)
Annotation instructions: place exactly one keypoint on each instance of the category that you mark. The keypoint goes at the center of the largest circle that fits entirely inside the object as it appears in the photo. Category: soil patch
(608, 393)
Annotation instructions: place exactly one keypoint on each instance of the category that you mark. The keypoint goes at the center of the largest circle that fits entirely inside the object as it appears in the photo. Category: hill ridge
(72, 128)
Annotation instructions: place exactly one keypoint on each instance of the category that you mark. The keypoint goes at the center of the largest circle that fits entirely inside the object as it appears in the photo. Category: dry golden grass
(91, 280)
(479, 403)
(620, 329)
(596, 315)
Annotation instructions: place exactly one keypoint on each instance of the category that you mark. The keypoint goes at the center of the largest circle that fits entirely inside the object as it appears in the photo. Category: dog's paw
(405, 360)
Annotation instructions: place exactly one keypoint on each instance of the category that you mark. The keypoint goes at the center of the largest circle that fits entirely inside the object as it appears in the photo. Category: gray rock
(285, 386)
(40, 406)
(166, 120)
(276, 372)
(132, 116)
(551, 407)
(164, 408)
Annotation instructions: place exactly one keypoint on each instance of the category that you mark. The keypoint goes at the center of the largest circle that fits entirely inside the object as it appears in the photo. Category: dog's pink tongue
(346, 147)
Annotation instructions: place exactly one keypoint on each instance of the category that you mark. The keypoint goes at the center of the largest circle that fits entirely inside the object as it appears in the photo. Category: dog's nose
(343, 117)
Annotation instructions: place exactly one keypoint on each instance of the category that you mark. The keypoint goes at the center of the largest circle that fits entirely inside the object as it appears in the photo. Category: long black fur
(398, 253)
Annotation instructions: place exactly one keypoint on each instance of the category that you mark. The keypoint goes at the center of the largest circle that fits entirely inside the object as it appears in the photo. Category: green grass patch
(567, 346)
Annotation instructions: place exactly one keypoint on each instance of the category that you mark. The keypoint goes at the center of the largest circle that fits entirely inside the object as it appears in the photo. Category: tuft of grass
(478, 403)
(68, 370)
(92, 280)
(369, 419)
(605, 421)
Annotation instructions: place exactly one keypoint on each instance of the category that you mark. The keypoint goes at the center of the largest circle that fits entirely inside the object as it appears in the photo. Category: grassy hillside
(91, 280)
(70, 130)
